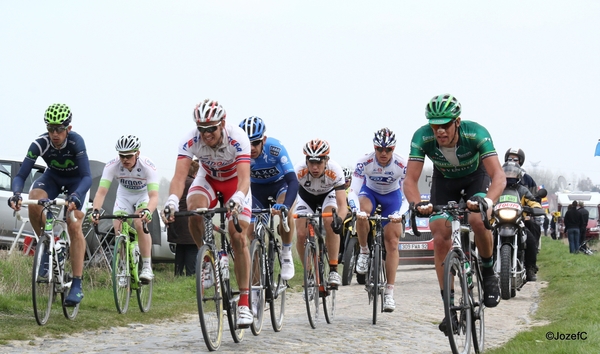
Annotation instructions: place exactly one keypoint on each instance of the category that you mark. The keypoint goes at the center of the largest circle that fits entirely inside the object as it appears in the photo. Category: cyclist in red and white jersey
(223, 151)
(137, 193)
(321, 183)
(377, 179)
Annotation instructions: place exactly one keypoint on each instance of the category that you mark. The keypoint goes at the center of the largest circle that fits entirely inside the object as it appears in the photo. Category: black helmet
(515, 151)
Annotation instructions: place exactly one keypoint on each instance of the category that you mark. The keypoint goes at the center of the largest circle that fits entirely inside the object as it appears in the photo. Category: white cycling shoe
(362, 263)
(287, 266)
(245, 317)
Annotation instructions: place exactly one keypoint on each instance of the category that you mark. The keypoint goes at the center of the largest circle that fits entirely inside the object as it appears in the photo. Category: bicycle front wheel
(349, 259)
(375, 280)
(144, 289)
(311, 284)
(277, 289)
(257, 282)
(121, 278)
(478, 307)
(208, 296)
(41, 284)
(70, 312)
(457, 305)
(328, 292)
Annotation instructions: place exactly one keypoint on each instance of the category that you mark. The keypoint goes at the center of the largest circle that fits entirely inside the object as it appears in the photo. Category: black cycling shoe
(444, 325)
(531, 274)
(491, 291)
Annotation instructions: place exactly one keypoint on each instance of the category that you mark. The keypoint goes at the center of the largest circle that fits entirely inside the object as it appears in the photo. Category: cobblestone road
(412, 328)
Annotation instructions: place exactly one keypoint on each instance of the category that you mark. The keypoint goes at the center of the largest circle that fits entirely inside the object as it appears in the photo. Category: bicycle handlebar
(204, 211)
(284, 216)
(122, 218)
(312, 215)
(46, 203)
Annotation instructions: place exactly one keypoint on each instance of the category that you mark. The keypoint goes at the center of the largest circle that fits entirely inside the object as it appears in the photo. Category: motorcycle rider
(514, 175)
(517, 155)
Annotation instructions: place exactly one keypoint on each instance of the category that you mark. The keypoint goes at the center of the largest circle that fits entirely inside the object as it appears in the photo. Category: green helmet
(442, 108)
(58, 113)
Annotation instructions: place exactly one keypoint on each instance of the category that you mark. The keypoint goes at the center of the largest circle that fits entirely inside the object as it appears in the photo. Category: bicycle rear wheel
(209, 299)
(375, 280)
(42, 288)
(478, 332)
(328, 292)
(458, 309)
(121, 278)
(257, 282)
(277, 288)
(311, 284)
(349, 259)
(143, 289)
(70, 312)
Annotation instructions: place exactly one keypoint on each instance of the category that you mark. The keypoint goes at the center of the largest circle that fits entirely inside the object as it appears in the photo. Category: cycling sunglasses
(382, 149)
(56, 128)
(209, 129)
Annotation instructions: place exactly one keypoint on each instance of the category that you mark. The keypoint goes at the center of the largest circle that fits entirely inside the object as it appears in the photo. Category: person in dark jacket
(585, 216)
(178, 232)
(573, 220)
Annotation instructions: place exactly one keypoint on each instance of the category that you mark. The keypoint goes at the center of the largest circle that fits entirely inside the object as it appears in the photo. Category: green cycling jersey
(474, 144)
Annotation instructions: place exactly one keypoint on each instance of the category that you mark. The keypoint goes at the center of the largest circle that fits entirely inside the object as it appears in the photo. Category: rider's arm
(340, 199)
(496, 173)
(100, 196)
(292, 188)
(85, 172)
(243, 175)
(19, 181)
(411, 181)
(153, 202)
(181, 170)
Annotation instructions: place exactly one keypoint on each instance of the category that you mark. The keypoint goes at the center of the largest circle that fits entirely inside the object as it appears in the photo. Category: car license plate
(413, 246)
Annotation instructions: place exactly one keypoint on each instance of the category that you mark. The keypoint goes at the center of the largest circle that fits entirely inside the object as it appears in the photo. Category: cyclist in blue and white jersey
(377, 179)
(272, 175)
(137, 193)
(68, 171)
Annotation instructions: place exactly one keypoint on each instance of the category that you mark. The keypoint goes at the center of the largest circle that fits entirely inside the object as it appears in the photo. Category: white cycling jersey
(379, 179)
(332, 178)
(218, 163)
(141, 179)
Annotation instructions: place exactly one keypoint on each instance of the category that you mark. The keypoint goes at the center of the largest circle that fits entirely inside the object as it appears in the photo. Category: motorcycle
(510, 236)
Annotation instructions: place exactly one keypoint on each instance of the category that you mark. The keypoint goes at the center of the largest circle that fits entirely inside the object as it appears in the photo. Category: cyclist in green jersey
(464, 159)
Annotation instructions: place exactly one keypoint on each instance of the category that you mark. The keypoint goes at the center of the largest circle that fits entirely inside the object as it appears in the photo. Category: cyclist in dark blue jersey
(68, 172)
(272, 174)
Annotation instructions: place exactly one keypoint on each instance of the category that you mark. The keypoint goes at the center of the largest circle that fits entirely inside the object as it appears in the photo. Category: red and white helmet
(208, 111)
(316, 149)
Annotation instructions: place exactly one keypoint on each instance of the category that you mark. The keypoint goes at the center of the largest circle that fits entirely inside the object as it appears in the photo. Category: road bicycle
(464, 308)
(127, 265)
(349, 249)
(316, 268)
(266, 283)
(56, 277)
(215, 292)
(377, 278)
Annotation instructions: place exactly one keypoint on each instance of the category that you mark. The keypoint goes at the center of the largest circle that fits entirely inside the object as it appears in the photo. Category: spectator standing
(179, 233)
(585, 216)
(573, 220)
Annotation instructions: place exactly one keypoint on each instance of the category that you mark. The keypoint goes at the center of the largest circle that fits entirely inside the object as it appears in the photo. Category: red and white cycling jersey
(333, 177)
(379, 179)
(218, 163)
(142, 177)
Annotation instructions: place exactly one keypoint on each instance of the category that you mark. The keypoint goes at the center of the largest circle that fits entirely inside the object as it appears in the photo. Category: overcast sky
(529, 71)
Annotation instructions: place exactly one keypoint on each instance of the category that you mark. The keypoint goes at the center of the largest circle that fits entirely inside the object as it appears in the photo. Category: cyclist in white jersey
(377, 179)
(223, 151)
(321, 185)
(137, 193)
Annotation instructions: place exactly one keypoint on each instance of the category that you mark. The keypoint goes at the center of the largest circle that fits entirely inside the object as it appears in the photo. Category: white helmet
(208, 111)
(128, 143)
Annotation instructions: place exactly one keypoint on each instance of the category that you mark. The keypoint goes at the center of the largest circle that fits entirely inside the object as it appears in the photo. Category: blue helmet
(254, 127)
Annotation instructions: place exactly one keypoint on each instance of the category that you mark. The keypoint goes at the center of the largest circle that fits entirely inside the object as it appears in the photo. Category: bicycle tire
(70, 312)
(143, 289)
(42, 289)
(505, 273)
(478, 332)
(277, 288)
(311, 284)
(329, 292)
(121, 277)
(459, 331)
(257, 286)
(230, 300)
(349, 259)
(209, 299)
(377, 294)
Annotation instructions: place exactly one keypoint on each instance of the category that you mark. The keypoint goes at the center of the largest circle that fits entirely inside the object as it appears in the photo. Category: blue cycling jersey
(272, 164)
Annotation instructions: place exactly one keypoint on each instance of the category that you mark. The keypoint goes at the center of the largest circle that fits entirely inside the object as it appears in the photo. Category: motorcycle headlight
(507, 214)
(594, 229)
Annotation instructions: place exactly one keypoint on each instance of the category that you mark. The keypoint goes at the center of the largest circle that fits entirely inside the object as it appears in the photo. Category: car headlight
(507, 214)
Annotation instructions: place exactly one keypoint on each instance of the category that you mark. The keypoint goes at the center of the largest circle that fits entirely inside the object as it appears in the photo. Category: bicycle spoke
(478, 331)
(120, 275)
(42, 288)
(311, 286)
(278, 288)
(458, 306)
(257, 293)
(209, 299)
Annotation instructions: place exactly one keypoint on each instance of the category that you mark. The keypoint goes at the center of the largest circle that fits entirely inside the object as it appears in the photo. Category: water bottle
(352, 204)
(59, 248)
(469, 274)
(136, 253)
(224, 264)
